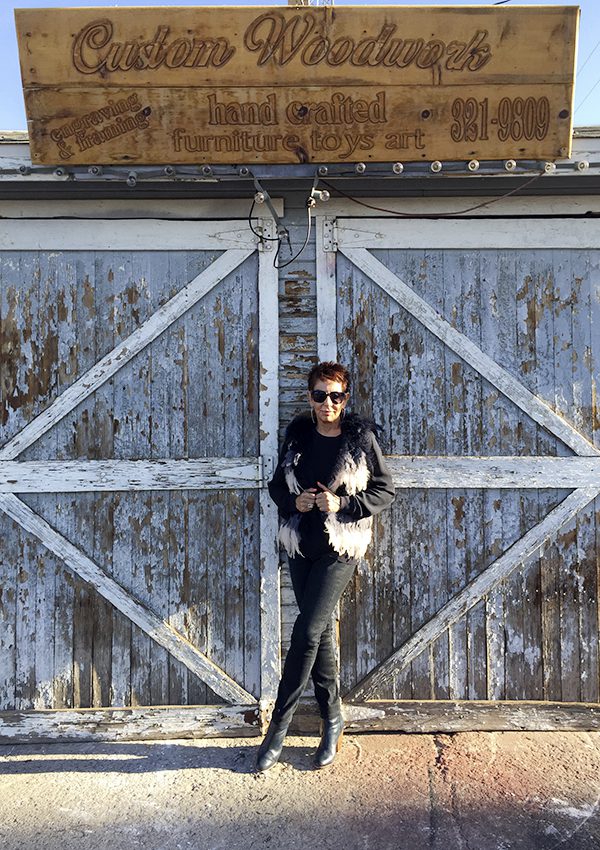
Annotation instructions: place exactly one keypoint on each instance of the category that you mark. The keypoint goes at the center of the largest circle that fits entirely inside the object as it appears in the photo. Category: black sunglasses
(320, 395)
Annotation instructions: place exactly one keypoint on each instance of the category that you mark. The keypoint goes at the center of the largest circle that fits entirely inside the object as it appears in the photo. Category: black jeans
(318, 585)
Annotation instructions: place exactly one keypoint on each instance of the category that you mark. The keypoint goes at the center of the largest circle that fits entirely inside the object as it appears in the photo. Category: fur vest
(351, 474)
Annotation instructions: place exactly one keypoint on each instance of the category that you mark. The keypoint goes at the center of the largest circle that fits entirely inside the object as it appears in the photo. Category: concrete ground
(465, 791)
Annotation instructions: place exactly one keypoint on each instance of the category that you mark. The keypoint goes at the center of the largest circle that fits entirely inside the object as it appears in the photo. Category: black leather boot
(332, 731)
(272, 744)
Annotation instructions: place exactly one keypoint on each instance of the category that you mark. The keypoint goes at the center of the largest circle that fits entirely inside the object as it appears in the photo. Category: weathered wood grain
(67, 476)
(479, 587)
(89, 102)
(131, 235)
(130, 724)
(140, 615)
(428, 716)
(267, 378)
(110, 363)
(508, 234)
(326, 292)
(469, 352)
(431, 472)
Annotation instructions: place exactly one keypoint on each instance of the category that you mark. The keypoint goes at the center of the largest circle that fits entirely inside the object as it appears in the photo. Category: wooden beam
(78, 476)
(503, 471)
(125, 351)
(129, 724)
(153, 626)
(326, 292)
(508, 233)
(429, 716)
(516, 555)
(548, 205)
(138, 234)
(188, 209)
(268, 382)
(533, 406)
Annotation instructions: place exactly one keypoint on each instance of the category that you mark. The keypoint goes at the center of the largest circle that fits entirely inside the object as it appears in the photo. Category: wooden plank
(250, 531)
(135, 301)
(530, 510)
(268, 400)
(482, 585)
(499, 233)
(379, 555)
(164, 420)
(583, 372)
(497, 207)
(75, 355)
(132, 235)
(138, 613)
(432, 287)
(460, 297)
(399, 365)
(512, 424)
(187, 209)
(468, 351)
(567, 538)
(110, 364)
(9, 539)
(345, 328)
(234, 473)
(189, 538)
(429, 716)
(233, 422)
(32, 354)
(317, 85)
(326, 291)
(129, 724)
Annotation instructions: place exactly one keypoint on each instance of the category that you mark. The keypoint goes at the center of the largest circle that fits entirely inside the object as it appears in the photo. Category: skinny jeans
(318, 585)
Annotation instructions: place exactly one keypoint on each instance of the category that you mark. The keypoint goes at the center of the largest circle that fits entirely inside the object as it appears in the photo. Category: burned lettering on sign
(101, 125)
(94, 51)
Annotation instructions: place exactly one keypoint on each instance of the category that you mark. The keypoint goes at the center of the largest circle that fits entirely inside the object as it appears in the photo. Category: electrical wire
(396, 214)
(256, 233)
(591, 91)
(295, 257)
(500, 2)
(597, 45)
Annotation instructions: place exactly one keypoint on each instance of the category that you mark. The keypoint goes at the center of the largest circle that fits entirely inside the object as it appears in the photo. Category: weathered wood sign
(297, 84)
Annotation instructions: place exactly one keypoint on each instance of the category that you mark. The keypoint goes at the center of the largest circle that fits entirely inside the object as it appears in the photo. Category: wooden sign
(297, 84)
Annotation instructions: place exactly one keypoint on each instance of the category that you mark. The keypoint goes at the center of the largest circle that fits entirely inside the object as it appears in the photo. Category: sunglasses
(320, 395)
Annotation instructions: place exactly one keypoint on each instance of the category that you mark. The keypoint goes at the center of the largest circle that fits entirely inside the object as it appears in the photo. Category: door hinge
(266, 229)
(330, 235)
(268, 468)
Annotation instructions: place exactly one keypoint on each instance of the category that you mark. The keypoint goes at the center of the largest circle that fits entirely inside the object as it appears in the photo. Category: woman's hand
(327, 501)
(306, 500)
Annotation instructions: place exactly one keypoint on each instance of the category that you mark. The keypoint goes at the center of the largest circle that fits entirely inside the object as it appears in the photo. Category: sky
(587, 81)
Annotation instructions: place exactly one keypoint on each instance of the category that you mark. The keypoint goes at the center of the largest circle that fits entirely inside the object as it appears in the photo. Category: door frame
(345, 228)
(244, 713)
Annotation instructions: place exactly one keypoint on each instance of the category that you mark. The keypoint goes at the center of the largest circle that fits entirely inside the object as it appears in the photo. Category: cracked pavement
(461, 791)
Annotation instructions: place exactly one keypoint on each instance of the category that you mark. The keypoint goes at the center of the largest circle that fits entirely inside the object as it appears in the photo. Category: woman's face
(327, 412)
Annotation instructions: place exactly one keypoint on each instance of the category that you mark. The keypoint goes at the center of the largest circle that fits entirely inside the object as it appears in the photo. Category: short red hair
(329, 371)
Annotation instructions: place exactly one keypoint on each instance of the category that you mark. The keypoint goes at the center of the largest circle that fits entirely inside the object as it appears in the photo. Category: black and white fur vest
(350, 475)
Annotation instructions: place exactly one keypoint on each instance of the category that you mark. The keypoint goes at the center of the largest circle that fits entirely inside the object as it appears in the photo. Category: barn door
(477, 348)
(139, 423)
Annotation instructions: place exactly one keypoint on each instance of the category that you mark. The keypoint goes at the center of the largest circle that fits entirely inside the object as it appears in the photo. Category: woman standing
(330, 480)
